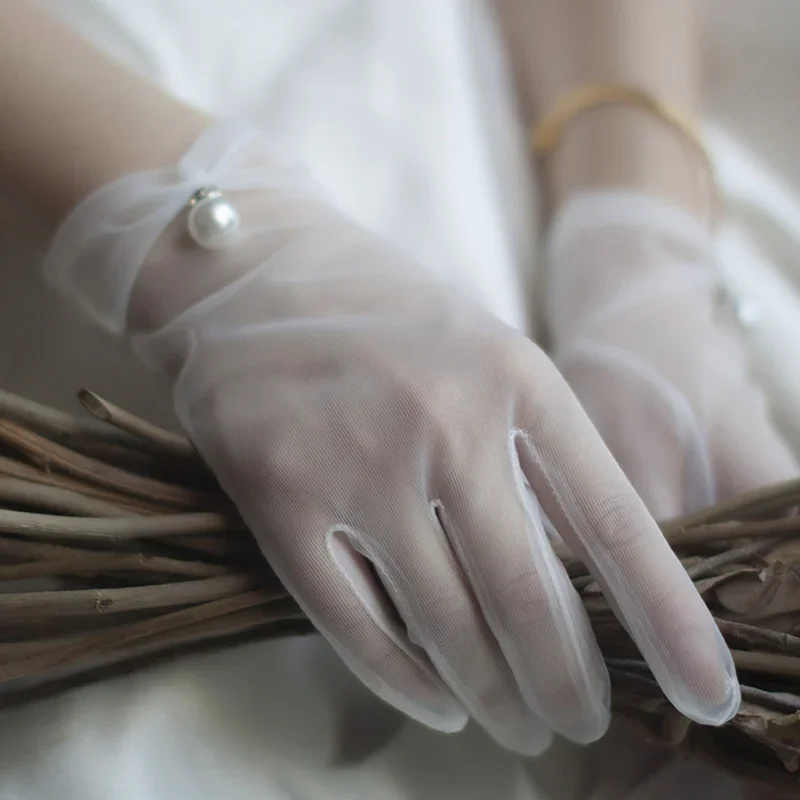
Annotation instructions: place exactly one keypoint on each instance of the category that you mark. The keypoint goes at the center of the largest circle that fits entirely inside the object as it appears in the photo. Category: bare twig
(52, 455)
(707, 565)
(127, 634)
(161, 440)
(777, 701)
(769, 501)
(21, 523)
(110, 564)
(60, 424)
(17, 491)
(787, 527)
(767, 663)
(751, 637)
(90, 602)
(17, 469)
(137, 508)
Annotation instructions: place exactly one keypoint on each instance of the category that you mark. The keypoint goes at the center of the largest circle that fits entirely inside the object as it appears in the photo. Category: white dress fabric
(402, 109)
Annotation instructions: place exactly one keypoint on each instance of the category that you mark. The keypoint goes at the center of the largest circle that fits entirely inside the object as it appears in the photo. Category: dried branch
(161, 440)
(775, 500)
(20, 523)
(55, 456)
(17, 469)
(22, 606)
(60, 425)
(16, 491)
(727, 531)
(191, 618)
(129, 530)
(768, 663)
(740, 634)
(111, 564)
(708, 565)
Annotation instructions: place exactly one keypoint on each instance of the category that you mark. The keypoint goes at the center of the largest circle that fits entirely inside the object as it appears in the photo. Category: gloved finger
(638, 428)
(340, 592)
(292, 515)
(442, 615)
(748, 451)
(595, 509)
(535, 614)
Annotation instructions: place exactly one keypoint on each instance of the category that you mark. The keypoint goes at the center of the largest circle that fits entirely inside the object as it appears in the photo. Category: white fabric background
(402, 109)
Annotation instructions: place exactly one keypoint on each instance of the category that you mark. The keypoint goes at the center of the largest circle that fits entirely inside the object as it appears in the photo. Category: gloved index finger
(601, 518)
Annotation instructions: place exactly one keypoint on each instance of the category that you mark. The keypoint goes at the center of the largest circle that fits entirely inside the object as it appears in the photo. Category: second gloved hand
(392, 446)
(648, 343)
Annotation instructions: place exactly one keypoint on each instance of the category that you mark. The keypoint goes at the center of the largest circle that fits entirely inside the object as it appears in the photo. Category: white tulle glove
(641, 335)
(392, 446)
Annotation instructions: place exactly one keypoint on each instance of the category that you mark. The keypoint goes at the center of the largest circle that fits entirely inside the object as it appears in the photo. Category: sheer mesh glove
(393, 447)
(657, 360)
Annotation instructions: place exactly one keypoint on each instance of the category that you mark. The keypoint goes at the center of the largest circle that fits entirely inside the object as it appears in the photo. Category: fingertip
(453, 722)
(580, 708)
(534, 746)
(589, 729)
(717, 697)
(703, 684)
(714, 716)
(440, 712)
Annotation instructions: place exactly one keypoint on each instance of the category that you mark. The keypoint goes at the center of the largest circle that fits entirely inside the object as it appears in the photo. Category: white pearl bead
(746, 311)
(213, 222)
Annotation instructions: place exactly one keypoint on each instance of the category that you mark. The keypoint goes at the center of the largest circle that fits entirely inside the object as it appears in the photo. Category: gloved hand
(392, 446)
(641, 333)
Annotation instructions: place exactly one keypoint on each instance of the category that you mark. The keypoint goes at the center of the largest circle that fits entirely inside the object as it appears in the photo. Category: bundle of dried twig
(117, 547)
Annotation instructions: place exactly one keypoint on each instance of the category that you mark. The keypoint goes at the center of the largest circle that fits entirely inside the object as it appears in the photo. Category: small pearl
(212, 222)
(746, 311)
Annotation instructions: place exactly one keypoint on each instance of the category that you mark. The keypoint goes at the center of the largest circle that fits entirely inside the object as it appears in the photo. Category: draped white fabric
(402, 110)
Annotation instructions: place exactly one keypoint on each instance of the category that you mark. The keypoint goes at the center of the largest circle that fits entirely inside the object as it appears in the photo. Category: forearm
(72, 119)
(650, 44)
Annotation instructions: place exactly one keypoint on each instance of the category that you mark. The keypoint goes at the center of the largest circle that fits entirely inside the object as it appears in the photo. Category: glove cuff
(620, 208)
(609, 247)
(98, 251)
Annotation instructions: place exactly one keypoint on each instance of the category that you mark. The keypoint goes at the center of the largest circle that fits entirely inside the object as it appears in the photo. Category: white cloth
(402, 110)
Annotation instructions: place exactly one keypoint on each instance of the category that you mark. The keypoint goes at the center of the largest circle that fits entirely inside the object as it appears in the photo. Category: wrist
(178, 274)
(129, 256)
(619, 249)
(619, 147)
